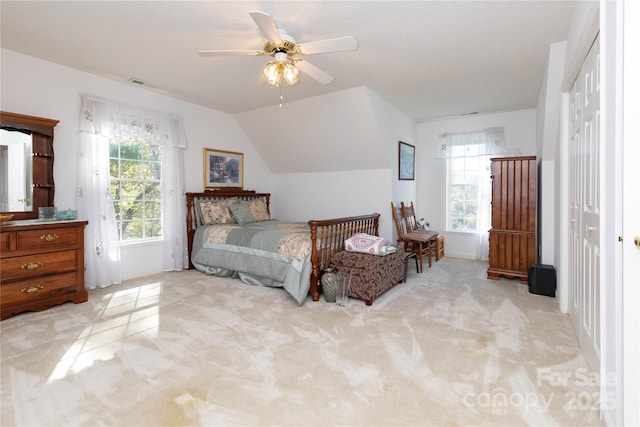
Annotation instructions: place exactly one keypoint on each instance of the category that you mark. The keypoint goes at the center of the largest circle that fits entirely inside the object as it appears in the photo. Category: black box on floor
(542, 280)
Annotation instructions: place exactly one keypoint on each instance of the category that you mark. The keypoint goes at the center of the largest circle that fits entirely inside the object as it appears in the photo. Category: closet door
(584, 207)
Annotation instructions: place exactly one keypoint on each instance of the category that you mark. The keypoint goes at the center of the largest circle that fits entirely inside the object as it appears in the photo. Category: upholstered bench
(371, 275)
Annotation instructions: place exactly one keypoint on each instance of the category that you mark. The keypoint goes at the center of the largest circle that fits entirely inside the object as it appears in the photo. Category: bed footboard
(327, 238)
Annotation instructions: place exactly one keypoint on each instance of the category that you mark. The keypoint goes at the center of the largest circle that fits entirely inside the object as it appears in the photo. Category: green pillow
(241, 213)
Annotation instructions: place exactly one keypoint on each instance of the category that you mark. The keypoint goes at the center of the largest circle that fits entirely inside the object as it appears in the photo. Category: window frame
(480, 160)
(449, 218)
(145, 221)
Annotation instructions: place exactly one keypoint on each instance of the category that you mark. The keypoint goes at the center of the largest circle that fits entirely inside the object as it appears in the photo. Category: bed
(224, 240)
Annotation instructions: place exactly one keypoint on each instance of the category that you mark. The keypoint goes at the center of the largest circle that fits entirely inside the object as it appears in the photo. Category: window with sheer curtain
(136, 189)
(103, 122)
(468, 181)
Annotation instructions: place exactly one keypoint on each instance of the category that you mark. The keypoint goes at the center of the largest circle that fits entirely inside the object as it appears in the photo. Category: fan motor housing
(286, 46)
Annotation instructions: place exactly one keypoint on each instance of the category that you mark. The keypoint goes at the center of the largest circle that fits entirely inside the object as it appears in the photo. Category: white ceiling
(430, 59)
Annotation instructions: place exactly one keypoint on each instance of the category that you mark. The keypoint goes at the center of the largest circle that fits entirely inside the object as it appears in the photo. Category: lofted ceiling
(430, 59)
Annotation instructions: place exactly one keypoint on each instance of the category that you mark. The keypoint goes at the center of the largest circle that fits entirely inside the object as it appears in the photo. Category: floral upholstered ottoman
(371, 275)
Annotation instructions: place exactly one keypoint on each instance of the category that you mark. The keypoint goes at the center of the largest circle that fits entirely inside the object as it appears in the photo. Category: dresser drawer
(27, 291)
(29, 266)
(47, 239)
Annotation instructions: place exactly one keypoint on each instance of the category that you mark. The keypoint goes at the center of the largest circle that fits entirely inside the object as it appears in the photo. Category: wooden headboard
(193, 213)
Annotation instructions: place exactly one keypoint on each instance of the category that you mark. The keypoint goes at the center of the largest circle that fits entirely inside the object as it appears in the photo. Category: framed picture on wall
(406, 161)
(223, 169)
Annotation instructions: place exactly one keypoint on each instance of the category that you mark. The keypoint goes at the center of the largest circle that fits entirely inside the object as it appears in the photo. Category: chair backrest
(396, 212)
(409, 217)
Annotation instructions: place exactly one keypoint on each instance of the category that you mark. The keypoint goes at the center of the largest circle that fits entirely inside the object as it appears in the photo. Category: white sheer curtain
(482, 144)
(100, 121)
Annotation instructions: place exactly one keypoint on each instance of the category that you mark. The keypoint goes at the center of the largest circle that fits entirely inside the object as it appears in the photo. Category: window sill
(462, 233)
(141, 243)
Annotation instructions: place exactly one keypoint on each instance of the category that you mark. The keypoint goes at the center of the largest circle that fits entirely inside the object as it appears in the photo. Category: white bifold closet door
(584, 207)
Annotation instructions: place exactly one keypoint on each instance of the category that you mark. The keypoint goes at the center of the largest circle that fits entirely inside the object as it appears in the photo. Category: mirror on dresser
(26, 163)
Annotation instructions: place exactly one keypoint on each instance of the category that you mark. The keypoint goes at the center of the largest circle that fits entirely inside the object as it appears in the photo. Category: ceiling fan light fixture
(275, 71)
(272, 73)
(290, 74)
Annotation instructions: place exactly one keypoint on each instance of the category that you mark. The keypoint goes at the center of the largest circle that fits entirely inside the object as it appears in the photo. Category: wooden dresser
(512, 238)
(41, 265)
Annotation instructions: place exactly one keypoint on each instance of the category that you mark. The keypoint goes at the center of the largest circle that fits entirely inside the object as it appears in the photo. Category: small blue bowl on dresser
(67, 215)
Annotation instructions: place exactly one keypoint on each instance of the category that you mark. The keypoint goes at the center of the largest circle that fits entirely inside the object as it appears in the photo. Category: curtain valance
(486, 142)
(117, 120)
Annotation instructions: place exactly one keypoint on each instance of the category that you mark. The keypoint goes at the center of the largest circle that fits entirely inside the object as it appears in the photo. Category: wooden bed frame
(327, 236)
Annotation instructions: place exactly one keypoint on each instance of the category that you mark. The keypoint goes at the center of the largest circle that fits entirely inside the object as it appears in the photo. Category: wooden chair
(411, 224)
(412, 241)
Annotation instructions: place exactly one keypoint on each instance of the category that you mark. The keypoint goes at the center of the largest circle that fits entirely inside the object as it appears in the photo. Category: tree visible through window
(135, 170)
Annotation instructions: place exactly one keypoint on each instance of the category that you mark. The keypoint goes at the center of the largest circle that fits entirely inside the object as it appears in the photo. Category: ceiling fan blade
(231, 52)
(314, 72)
(329, 45)
(267, 26)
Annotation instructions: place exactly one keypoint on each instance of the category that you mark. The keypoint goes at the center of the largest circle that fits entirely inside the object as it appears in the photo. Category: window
(135, 170)
(464, 173)
(468, 183)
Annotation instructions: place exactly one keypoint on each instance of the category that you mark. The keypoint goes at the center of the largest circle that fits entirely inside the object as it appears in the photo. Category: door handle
(636, 240)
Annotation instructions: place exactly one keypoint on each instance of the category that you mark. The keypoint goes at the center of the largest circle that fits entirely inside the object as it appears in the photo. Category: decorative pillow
(241, 213)
(258, 210)
(368, 244)
(216, 212)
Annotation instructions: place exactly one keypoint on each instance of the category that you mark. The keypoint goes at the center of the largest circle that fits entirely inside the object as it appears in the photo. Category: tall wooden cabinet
(512, 238)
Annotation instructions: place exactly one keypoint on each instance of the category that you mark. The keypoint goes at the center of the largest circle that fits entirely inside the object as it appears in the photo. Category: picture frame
(406, 161)
(222, 169)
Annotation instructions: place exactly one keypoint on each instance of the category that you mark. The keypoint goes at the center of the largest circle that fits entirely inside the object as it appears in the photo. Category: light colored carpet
(447, 348)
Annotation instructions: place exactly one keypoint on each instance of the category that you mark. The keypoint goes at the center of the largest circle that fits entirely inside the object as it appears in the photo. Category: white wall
(44, 89)
(549, 136)
(334, 195)
(334, 155)
(328, 133)
(520, 139)
(394, 126)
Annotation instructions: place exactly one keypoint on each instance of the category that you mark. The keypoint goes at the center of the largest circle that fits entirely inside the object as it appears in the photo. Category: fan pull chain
(281, 97)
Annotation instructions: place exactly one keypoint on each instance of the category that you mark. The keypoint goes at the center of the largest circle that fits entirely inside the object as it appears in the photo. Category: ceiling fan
(287, 53)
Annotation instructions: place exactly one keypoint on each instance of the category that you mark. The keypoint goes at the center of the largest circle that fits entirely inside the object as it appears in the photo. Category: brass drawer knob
(32, 289)
(32, 265)
(49, 237)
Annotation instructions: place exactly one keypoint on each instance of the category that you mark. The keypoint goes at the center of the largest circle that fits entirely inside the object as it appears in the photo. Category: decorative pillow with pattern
(258, 210)
(241, 213)
(217, 212)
